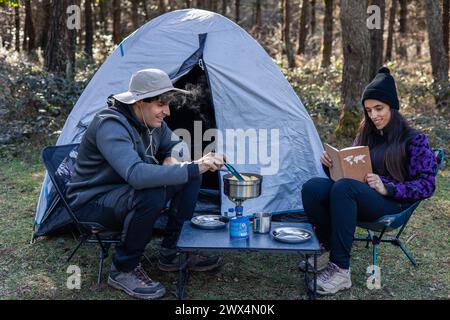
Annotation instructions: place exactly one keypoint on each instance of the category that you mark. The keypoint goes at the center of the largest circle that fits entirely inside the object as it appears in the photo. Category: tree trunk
(161, 7)
(29, 36)
(117, 24)
(71, 43)
(17, 25)
(104, 14)
(313, 17)
(303, 28)
(258, 16)
(224, 7)
(89, 35)
(237, 4)
(282, 5)
(439, 58)
(134, 13)
(355, 75)
(56, 55)
(403, 30)
(445, 24)
(327, 34)
(47, 12)
(392, 11)
(376, 40)
(287, 13)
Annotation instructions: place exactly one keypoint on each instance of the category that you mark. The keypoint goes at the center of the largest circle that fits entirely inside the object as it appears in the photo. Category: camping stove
(239, 191)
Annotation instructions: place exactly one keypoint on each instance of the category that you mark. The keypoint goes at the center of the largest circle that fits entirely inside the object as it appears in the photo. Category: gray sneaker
(136, 283)
(322, 262)
(332, 279)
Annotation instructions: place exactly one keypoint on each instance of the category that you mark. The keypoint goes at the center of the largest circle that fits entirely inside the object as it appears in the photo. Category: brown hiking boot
(194, 262)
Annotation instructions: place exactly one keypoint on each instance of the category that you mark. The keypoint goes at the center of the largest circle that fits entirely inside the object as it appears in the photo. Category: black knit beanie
(382, 88)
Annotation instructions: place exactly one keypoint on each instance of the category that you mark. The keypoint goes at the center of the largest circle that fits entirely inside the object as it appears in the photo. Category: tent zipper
(200, 64)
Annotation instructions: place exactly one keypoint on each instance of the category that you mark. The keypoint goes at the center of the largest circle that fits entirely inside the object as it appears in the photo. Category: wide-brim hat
(147, 83)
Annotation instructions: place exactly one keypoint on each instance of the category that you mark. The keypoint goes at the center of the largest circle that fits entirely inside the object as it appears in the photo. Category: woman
(404, 169)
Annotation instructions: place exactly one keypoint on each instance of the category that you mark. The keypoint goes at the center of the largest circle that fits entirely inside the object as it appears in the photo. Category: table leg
(182, 277)
(311, 293)
(306, 272)
(315, 278)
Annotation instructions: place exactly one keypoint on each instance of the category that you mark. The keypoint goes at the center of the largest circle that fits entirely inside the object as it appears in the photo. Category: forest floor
(39, 270)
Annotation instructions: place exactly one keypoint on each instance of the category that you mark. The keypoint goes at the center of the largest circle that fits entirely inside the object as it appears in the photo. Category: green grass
(38, 271)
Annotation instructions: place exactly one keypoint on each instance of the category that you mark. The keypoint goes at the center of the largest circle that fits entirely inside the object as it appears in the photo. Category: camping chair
(59, 161)
(391, 222)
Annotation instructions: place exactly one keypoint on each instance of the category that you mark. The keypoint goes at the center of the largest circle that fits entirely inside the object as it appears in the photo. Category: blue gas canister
(239, 227)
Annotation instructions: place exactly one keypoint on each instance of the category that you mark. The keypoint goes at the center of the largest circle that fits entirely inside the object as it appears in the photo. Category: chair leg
(374, 256)
(82, 240)
(100, 269)
(369, 239)
(103, 255)
(408, 255)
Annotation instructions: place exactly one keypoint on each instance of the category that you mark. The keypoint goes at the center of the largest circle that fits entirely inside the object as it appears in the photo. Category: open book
(352, 162)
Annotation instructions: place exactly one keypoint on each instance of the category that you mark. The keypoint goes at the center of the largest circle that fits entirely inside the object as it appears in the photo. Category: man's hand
(374, 181)
(211, 161)
(170, 161)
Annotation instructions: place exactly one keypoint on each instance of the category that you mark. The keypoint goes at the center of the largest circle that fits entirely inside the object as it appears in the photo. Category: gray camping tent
(249, 98)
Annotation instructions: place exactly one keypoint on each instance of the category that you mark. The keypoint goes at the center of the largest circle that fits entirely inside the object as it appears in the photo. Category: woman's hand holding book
(325, 159)
(374, 181)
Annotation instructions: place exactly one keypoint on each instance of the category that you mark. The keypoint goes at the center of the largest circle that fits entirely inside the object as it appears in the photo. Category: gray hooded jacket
(113, 153)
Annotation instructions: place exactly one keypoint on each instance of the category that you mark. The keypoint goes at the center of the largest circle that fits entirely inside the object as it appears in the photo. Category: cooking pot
(242, 190)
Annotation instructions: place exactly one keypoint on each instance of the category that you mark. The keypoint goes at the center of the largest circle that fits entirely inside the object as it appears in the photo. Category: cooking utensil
(233, 171)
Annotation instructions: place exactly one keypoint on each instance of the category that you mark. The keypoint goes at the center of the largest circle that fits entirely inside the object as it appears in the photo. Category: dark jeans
(334, 207)
(134, 212)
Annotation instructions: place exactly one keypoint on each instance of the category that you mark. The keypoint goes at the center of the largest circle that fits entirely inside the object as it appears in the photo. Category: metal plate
(209, 222)
(291, 234)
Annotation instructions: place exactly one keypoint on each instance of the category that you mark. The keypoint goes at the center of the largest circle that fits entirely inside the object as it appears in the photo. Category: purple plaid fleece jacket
(422, 167)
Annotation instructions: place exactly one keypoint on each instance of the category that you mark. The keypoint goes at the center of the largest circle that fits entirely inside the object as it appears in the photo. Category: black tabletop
(193, 238)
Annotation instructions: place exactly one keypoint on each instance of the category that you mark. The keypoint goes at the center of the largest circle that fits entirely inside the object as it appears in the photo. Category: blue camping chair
(59, 162)
(391, 222)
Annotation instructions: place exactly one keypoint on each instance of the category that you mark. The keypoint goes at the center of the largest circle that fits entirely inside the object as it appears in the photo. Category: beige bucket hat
(147, 83)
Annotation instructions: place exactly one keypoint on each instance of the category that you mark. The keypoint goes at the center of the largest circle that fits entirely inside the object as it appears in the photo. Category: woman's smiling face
(379, 112)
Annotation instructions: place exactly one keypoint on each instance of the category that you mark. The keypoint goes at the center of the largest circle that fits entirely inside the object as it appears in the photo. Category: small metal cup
(261, 222)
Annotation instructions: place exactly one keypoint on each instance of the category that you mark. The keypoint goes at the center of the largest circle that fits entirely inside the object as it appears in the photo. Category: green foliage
(11, 3)
(35, 103)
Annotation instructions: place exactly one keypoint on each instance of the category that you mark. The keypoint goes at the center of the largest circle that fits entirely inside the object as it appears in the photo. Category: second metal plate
(291, 234)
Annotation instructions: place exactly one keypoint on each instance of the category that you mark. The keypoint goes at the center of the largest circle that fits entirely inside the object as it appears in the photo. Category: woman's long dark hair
(397, 132)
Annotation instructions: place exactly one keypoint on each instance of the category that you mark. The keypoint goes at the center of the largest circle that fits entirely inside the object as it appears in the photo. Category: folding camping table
(193, 239)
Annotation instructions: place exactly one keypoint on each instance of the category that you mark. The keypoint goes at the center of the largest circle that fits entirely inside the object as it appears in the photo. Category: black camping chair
(391, 222)
(59, 162)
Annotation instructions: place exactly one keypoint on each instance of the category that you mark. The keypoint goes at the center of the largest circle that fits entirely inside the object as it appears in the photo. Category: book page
(335, 171)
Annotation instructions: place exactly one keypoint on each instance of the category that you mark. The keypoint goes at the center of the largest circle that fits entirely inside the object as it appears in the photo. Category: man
(120, 183)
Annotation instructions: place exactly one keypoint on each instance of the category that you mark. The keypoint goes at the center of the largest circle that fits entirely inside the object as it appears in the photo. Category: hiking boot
(197, 262)
(194, 262)
(322, 261)
(136, 283)
(332, 279)
(173, 262)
